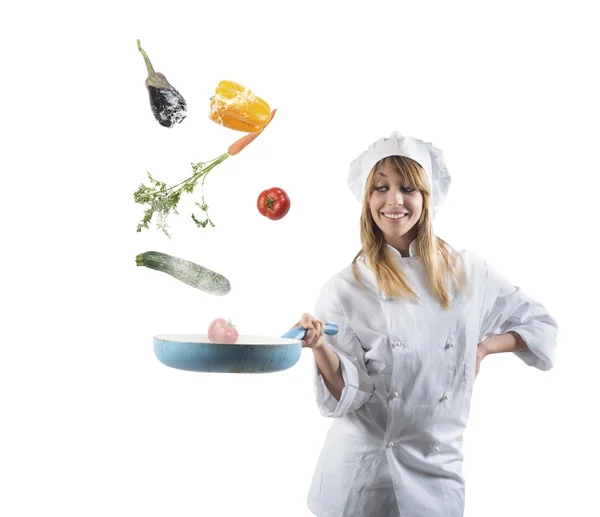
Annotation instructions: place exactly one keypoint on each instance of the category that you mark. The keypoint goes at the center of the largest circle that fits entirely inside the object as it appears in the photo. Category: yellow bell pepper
(236, 107)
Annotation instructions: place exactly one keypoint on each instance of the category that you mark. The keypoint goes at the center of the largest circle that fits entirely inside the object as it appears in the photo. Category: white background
(92, 424)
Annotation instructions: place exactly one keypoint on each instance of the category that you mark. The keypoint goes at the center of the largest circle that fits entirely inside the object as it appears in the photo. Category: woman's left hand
(482, 352)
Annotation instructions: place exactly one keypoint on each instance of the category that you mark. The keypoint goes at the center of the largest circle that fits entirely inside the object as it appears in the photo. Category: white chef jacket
(395, 445)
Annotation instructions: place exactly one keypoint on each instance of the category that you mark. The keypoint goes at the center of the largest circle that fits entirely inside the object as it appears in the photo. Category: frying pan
(251, 354)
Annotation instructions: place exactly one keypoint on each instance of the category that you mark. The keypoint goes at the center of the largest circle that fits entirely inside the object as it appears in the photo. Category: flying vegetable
(168, 105)
(223, 332)
(238, 108)
(185, 271)
(273, 203)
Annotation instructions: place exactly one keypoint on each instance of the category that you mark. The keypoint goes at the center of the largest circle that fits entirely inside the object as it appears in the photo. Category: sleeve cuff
(329, 406)
(540, 350)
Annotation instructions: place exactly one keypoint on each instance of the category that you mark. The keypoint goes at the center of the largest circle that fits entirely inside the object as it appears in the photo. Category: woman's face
(396, 207)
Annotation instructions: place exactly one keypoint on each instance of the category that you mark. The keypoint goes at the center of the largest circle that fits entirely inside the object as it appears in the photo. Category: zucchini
(185, 271)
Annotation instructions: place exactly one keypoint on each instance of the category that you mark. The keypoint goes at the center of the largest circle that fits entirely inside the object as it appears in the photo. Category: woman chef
(416, 318)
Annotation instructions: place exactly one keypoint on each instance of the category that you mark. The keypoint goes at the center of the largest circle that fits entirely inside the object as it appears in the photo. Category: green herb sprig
(162, 200)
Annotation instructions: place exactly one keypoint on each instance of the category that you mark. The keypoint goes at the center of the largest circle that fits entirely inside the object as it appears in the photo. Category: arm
(513, 322)
(497, 344)
(330, 368)
(500, 343)
(338, 356)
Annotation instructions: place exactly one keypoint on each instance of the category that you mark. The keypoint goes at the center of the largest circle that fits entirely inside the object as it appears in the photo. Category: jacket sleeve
(506, 308)
(358, 384)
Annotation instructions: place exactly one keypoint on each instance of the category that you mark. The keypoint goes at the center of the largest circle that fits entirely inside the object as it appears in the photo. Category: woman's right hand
(326, 359)
(314, 331)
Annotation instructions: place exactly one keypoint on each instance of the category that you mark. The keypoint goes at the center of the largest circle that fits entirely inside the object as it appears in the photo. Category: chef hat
(424, 153)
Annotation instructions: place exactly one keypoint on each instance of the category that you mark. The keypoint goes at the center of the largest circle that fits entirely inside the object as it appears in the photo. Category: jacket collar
(412, 250)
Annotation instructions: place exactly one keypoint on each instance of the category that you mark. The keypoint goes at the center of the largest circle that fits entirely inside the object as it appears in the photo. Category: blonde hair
(439, 259)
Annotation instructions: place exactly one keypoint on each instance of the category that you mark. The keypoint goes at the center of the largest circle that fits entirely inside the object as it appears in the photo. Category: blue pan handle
(299, 332)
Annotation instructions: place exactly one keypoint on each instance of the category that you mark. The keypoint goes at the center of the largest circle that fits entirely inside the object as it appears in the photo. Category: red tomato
(273, 203)
(223, 332)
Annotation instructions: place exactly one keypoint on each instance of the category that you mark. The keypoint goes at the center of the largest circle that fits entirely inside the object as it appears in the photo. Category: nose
(395, 198)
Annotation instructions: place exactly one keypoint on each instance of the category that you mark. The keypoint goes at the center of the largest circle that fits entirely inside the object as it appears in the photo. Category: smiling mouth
(394, 217)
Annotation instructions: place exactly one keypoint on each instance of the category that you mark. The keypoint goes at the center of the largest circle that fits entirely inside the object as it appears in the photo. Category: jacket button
(396, 394)
(449, 344)
(444, 397)
(391, 444)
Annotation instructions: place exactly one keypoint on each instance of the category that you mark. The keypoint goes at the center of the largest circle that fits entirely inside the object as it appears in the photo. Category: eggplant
(168, 105)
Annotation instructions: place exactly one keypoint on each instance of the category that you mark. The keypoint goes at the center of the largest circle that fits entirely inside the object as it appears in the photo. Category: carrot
(240, 144)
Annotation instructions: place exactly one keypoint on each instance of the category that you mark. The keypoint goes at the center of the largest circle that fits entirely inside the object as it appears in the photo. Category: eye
(408, 190)
(381, 188)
